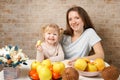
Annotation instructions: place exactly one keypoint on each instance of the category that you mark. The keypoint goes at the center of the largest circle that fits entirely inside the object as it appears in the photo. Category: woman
(80, 37)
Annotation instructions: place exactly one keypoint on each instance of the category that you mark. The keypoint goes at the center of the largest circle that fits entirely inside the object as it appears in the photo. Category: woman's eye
(69, 19)
(77, 17)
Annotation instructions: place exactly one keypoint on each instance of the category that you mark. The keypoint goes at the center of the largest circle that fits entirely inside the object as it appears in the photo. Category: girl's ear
(61, 31)
(41, 33)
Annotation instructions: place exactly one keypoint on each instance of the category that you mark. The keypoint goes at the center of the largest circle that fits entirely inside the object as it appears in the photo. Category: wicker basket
(11, 73)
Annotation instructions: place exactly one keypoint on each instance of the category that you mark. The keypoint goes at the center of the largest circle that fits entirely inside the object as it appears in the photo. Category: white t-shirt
(82, 46)
(54, 54)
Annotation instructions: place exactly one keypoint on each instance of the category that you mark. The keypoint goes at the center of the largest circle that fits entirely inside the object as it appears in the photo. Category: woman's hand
(71, 62)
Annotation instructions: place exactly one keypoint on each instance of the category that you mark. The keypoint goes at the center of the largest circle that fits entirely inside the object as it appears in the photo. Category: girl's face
(75, 21)
(51, 36)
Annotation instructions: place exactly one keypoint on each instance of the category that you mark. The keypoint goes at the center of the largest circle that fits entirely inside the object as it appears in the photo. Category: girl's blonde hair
(54, 27)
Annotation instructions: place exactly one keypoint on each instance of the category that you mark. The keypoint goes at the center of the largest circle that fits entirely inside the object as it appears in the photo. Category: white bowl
(89, 74)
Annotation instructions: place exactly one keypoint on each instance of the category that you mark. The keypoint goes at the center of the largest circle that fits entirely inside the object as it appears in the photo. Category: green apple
(91, 67)
(44, 73)
(80, 64)
(34, 65)
(58, 67)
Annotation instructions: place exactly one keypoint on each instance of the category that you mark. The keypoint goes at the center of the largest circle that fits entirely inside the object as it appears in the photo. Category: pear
(44, 73)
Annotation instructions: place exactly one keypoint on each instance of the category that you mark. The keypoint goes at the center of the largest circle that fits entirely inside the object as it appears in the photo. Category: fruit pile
(84, 64)
(46, 70)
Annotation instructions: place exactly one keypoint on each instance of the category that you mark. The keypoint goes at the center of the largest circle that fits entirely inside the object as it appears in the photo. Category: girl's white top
(54, 54)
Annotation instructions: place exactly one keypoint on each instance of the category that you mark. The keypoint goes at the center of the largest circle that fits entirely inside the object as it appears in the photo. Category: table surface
(26, 68)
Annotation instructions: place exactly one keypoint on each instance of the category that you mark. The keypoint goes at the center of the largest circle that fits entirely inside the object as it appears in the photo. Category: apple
(100, 64)
(91, 67)
(80, 64)
(47, 63)
(38, 43)
(34, 65)
(44, 73)
(58, 67)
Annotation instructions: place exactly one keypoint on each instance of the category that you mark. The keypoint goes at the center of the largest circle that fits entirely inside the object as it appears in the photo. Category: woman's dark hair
(83, 14)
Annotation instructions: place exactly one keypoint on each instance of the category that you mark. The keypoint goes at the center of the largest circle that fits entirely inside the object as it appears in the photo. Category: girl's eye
(48, 33)
(54, 34)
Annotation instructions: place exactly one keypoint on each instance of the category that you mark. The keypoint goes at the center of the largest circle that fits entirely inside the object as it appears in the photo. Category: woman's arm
(98, 50)
(98, 53)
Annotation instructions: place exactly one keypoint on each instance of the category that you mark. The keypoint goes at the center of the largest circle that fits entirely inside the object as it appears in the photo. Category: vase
(1, 67)
(11, 73)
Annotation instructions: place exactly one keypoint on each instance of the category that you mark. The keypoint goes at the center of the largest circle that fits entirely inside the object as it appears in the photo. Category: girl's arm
(39, 56)
(59, 56)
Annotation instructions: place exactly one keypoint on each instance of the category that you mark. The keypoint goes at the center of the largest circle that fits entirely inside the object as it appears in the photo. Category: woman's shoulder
(90, 31)
(66, 36)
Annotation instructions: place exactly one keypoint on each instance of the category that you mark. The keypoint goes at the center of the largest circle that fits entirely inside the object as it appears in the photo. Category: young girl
(50, 48)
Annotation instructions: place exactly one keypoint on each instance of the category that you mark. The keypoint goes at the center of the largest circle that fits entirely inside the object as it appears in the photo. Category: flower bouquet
(10, 58)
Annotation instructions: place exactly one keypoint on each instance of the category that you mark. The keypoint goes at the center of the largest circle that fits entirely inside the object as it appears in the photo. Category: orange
(33, 75)
(55, 75)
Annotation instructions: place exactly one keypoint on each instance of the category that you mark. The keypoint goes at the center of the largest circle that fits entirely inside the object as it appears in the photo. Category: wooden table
(26, 68)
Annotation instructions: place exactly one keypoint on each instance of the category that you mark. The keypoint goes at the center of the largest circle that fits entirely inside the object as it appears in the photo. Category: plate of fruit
(89, 74)
(89, 68)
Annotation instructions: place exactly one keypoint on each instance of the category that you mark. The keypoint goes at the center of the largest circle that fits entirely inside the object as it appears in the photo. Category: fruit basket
(89, 68)
(89, 74)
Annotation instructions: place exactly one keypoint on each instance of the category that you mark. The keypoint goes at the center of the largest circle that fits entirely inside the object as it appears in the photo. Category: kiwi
(70, 73)
(110, 73)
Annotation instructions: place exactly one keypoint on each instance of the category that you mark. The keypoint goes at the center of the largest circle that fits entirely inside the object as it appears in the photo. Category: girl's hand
(39, 48)
(38, 43)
